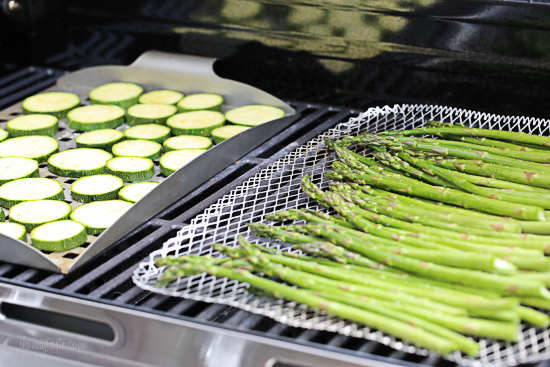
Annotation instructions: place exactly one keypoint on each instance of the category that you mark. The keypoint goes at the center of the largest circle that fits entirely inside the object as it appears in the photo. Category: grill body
(330, 60)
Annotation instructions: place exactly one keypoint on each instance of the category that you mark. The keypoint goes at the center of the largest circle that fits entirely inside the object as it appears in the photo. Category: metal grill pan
(276, 188)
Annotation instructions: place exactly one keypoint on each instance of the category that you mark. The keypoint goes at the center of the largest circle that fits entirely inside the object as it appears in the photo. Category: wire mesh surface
(277, 187)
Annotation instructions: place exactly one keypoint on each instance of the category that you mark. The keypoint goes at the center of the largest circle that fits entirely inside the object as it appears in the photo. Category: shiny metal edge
(150, 339)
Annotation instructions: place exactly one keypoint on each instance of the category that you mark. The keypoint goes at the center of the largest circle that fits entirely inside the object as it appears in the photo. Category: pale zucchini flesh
(13, 230)
(131, 169)
(161, 97)
(120, 94)
(16, 168)
(172, 161)
(62, 235)
(96, 188)
(100, 215)
(201, 101)
(32, 214)
(101, 139)
(186, 142)
(149, 114)
(153, 132)
(225, 132)
(27, 189)
(136, 191)
(253, 115)
(37, 147)
(138, 148)
(3, 134)
(195, 122)
(96, 117)
(33, 124)
(51, 103)
(78, 162)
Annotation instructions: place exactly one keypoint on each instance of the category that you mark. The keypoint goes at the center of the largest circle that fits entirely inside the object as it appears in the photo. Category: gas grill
(440, 52)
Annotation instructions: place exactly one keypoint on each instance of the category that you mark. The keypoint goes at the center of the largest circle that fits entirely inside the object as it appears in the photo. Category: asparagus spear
(484, 133)
(411, 333)
(447, 195)
(493, 143)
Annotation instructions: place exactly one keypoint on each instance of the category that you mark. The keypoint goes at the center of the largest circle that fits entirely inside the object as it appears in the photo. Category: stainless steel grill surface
(277, 187)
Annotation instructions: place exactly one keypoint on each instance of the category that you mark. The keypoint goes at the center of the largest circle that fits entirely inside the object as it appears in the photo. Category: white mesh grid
(277, 187)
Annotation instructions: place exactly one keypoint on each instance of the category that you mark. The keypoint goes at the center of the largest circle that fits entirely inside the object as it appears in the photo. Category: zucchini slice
(149, 114)
(33, 124)
(59, 236)
(101, 139)
(119, 94)
(3, 134)
(32, 214)
(161, 97)
(13, 230)
(253, 115)
(100, 215)
(52, 103)
(174, 160)
(27, 189)
(201, 101)
(131, 169)
(195, 122)
(186, 142)
(78, 162)
(35, 147)
(96, 188)
(138, 148)
(225, 132)
(136, 191)
(96, 117)
(16, 168)
(152, 132)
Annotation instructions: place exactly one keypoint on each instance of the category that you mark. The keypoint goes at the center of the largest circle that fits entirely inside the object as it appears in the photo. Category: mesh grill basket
(277, 187)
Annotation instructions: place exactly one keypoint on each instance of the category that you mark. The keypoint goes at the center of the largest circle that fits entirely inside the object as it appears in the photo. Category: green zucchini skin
(59, 113)
(16, 126)
(97, 98)
(6, 203)
(3, 135)
(131, 176)
(74, 173)
(2, 216)
(75, 125)
(106, 144)
(65, 244)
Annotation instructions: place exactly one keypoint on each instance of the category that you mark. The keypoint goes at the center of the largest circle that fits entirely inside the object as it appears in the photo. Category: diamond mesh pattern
(277, 187)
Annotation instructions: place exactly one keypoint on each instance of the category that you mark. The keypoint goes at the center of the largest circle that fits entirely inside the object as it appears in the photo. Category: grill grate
(278, 187)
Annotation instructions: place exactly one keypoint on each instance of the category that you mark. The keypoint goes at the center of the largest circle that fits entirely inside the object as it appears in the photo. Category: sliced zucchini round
(172, 161)
(201, 101)
(35, 147)
(101, 139)
(51, 103)
(13, 230)
(100, 215)
(3, 134)
(136, 191)
(186, 142)
(161, 97)
(225, 132)
(32, 214)
(138, 148)
(131, 169)
(120, 94)
(253, 115)
(16, 168)
(195, 122)
(149, 114)
(59, 236)
(152, 132)
(33, 124)
(27, 189)
(96, 188)
(78, 162)
(96, 117)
